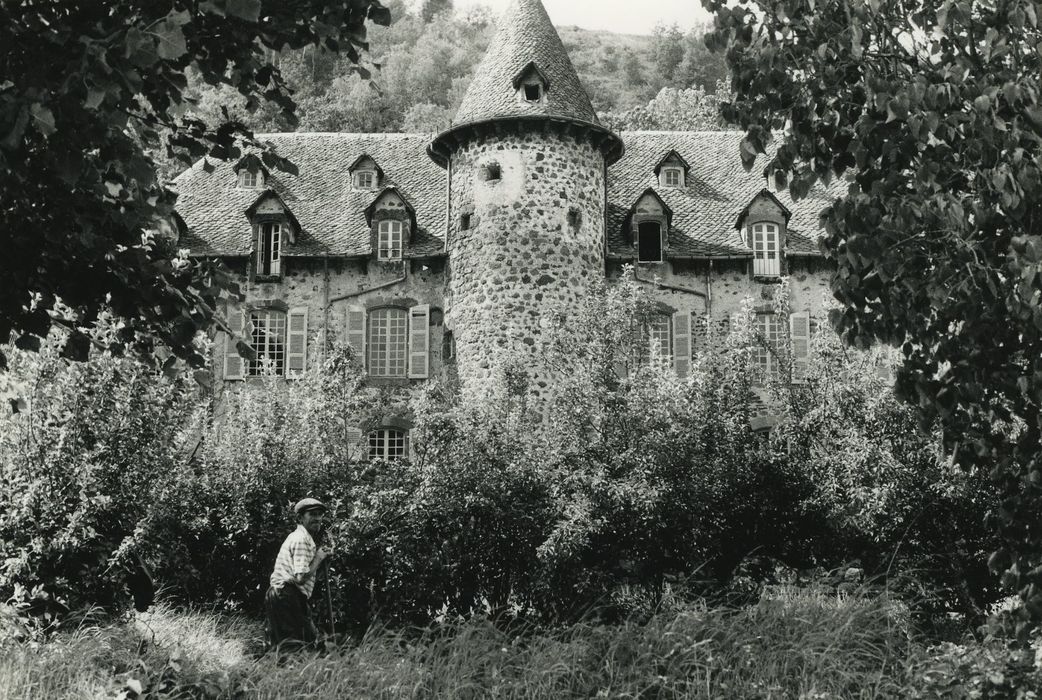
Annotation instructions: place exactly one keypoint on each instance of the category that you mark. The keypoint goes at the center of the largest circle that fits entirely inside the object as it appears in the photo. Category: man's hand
(322, 554)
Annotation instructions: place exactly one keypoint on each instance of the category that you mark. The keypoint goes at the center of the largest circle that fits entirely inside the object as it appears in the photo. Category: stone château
(426, 254)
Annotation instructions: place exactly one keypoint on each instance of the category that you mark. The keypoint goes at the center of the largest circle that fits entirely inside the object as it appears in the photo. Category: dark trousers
(289, 618)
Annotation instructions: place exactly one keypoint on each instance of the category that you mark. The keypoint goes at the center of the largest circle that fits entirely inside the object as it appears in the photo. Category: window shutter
(276, 250)
(682, 343)
(356, 332)
(297, 341)
(233, 362)
(419, 341)
(799, 338)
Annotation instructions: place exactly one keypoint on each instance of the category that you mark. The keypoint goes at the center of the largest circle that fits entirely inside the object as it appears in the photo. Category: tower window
(491, 172)
(533, 92)
(464, 222)
(649, 242)
(575, 218)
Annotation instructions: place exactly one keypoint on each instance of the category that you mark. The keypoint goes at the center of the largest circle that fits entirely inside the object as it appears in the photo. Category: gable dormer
(274, 226)
(647, 227)
(392, 221)
(672, 170)
(531, 84)
(366, 175)
(763, 224)
(250, 173)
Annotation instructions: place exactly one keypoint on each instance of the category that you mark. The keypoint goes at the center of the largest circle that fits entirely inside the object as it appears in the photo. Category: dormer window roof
(648, 224)
(270, 206)
(531, 84)
(766, 194)
(391, 193)
(250, 173)
(365, 173)
(672, 170)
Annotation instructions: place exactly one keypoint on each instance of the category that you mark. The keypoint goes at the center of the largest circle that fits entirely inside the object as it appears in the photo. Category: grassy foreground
(796, 645)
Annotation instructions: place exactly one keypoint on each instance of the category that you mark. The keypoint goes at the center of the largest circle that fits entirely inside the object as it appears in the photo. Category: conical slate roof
(525, 36)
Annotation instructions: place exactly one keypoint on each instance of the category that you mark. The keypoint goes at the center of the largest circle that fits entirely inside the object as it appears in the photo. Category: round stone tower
(526, 160)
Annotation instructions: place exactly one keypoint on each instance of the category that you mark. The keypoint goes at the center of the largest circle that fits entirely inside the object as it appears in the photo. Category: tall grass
(792, 645)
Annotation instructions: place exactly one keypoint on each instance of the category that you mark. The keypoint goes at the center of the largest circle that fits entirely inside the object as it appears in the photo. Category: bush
(78, 463)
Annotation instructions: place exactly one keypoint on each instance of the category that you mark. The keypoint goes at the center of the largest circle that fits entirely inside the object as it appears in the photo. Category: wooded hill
(421, 65)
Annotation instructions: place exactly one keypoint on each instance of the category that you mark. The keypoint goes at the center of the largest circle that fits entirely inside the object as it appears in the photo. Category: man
(293, 580)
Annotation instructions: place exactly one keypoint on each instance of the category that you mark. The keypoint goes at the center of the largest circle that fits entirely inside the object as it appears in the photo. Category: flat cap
(308, 504)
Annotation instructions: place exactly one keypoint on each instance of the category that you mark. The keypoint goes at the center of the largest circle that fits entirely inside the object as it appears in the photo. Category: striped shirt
(294, 560)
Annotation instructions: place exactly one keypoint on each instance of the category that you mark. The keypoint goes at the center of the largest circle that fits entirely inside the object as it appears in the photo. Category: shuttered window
(682, 342)
(654, 344)
(388, 444)
(389, 240)
(297, 352)
(766, 250)
(267, 333)
(388, 342)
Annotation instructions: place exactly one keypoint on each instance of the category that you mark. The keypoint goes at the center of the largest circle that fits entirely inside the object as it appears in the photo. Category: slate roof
(717, 189)
(525, 35)
(331, 214)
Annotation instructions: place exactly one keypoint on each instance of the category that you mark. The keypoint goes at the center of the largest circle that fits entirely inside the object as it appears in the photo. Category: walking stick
(329, 601)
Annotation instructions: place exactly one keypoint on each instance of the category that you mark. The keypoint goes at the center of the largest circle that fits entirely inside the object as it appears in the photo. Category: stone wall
(327, 288)
(533, 242)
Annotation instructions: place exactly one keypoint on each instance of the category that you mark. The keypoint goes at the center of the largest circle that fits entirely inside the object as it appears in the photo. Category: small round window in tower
(491, 172)
(464, 222)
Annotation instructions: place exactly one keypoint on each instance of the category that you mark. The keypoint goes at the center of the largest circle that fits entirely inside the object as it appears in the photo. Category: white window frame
(388, 444)
(269, 249)
(674, 173)
(357, 180)
(387, 343)
(250, 180)
(765, 240)
(768, 328)
(654, 331)
(267, 331)
(389, 240)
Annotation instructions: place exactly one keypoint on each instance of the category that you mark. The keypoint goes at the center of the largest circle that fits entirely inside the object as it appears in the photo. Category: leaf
(171, 39)
(44, 118)
(248, 10)
(94, 98)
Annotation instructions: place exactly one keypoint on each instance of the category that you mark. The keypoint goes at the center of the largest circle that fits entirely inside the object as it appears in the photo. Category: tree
(931, 110)
(88, 91)
(671, 110)
(667, 50)
(431, 8)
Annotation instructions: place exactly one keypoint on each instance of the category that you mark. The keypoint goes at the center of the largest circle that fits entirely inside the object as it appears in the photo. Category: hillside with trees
(420, 65)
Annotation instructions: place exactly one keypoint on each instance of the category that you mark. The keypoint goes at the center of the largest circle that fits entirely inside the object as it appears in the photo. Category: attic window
(673, 177)
(365, 180)
(491, 172)
(649, 242)
(250, 180)
(533, 92)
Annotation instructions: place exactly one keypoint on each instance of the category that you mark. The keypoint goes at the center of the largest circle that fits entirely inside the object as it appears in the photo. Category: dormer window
(365, 173)
(269, 249)
(531, 84)
(766, 247)
(649, 242)
(365, 180)
(673, 177)
(648, 227)
(672, 170)
(251, 180)
(389, 241)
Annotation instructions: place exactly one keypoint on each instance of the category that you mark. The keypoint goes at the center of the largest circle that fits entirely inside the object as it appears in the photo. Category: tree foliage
(88, 90)
(931, 110)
